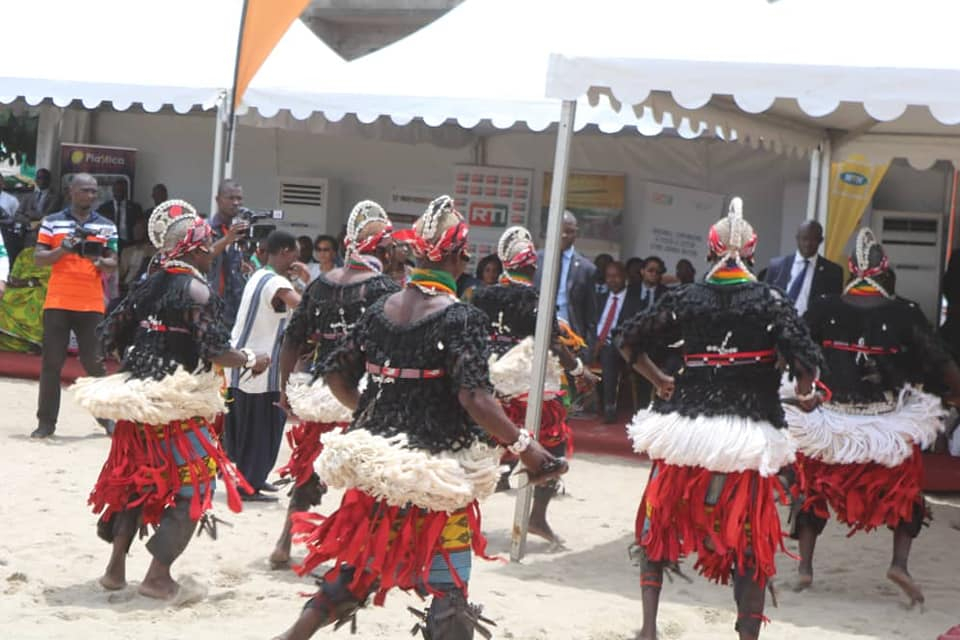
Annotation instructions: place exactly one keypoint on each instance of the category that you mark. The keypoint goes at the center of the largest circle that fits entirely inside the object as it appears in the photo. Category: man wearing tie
(576, 290)
(41, 202)
(805, 275)
(651, 287)
(124, 213)
(617, 304)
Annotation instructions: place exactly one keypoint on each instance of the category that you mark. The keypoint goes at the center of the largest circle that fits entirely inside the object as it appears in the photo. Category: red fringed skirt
(391, 547)
(305, 445)
(865, 495)
(676, 520)
(554, 430)
(149, 466)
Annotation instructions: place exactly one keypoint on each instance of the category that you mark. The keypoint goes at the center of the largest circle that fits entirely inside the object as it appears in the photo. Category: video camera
(87, 243)
(256, 229)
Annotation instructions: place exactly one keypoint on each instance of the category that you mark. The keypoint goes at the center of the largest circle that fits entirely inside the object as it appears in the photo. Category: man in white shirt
(254, 424)
(805, 275)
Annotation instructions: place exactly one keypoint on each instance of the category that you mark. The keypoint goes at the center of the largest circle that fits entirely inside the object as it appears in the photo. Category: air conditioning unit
(913, 242)
(311, 206)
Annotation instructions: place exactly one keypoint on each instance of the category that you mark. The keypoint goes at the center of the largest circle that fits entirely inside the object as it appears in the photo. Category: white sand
(50, 559)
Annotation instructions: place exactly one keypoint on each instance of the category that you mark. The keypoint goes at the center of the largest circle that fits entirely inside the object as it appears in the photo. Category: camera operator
(78, 244)
(226, 276)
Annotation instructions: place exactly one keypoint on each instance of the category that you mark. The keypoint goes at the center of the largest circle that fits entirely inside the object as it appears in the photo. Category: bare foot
(543, 530)
(159, 589)
(279, 560)
(804, 581)
(112, 583)
(903, 580)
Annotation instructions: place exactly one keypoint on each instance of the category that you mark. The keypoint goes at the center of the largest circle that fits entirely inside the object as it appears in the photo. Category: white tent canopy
(883, 76)
(177, 52)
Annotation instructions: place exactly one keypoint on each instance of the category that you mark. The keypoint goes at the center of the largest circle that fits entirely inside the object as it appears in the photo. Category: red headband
(453, 239)
(195, 237)
(718, 247)
(525, 258)
(870, 272)
(370, 243)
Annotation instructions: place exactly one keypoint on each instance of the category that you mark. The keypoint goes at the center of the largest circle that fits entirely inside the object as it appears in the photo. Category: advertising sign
(492, 199)
(597, 199)
(107, 164)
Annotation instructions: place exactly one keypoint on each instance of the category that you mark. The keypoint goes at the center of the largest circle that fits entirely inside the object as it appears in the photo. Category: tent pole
(232, 137)
(814, 184)
(546, 311)
(217, 154)
(823, 196)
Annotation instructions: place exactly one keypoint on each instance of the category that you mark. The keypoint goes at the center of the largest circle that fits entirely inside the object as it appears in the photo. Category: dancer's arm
(343, 389)
(213, 337)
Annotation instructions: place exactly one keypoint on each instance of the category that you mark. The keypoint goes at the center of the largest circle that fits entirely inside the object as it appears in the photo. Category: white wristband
(577, 371)
(524, 438)
(250, 356)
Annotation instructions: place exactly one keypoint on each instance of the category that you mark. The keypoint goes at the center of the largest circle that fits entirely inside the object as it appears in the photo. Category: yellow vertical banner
(852, 185)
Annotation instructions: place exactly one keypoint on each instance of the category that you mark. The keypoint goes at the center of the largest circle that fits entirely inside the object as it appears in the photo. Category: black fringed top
(170, 319)
(329, 310)
(873, 347)
(512, 311)
(453, 340)
(724, 319)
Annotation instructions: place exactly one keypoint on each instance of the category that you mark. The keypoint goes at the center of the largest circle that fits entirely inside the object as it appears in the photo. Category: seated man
(619, 303)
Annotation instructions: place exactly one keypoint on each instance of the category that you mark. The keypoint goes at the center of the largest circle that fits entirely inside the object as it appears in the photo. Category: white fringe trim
(512, 372)
(315, 402)
(388, 469)
(842, 438)
(724, 444)
(178, 396)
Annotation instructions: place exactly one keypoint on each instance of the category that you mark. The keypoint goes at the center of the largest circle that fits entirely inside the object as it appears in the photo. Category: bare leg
(651, 581)
(158, 583)
(750, 597)
(898, 573)
(114, 577)
(807, 539)
(538, 525)
(334, 604)
(280, 558)
(303, 497)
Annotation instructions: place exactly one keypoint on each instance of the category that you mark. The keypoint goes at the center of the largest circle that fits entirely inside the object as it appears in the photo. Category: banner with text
(107, 164)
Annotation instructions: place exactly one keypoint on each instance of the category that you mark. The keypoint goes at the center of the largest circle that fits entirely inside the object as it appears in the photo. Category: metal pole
(546, 311)
(232, 138)
(823, 196)
(814, 184)
(217, 154)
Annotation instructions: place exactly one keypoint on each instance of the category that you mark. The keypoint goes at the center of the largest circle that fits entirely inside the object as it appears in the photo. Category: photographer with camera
(78, 244)
(226, 276)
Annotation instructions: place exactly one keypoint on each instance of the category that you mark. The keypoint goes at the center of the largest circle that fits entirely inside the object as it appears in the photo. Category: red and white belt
(404, 374)
(738, 358)
(860, 348)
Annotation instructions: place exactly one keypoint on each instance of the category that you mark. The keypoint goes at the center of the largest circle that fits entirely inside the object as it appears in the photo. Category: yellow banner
(264, 23)
(852, 185)
(596, 193)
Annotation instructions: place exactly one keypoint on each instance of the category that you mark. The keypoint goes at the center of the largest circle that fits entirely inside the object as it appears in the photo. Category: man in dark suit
(36, 205)
(650, 288)
(576, 286)
(615, 306)
(124, 213)
(805, 275)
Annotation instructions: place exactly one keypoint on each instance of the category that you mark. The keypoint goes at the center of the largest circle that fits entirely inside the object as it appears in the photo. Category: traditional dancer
(511, 306)
(413, 462)
(165, 455)
(859, 452)
(714, 431)
(332, 304)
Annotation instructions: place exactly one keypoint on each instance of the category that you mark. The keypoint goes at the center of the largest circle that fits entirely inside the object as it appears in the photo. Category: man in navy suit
(805, 275)
(616, 305)
(576, 286)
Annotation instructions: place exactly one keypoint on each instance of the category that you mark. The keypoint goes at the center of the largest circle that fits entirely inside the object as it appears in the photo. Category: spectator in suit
(136, 257)
(158, 194)
(634, 271)
(805, 275)
(651, 287)
(685, 272)
(615, 305)
(576, 291)
(42, 201)
(601, 262)
(123, 212)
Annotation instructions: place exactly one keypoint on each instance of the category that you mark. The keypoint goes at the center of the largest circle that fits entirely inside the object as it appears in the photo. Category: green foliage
(18, 137)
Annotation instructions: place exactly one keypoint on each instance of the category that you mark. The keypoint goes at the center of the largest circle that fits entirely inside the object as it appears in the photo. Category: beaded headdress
(516, 249)
(866, 250)
(429, 241)
(364, 213)
(176, 229)
(732, 238)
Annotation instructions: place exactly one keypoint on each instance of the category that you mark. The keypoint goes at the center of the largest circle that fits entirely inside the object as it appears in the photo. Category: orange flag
(263, 24)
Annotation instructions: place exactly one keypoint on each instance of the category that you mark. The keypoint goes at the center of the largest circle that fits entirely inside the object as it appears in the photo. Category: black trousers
(57, 324)
(253, 432)
(612, 365)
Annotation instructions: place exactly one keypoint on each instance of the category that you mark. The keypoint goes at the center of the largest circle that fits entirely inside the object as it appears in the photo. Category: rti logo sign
(487, 214)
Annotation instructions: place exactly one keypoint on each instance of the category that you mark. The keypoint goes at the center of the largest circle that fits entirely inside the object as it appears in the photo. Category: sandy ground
(50, 559)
